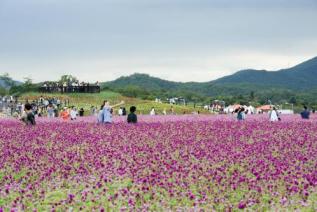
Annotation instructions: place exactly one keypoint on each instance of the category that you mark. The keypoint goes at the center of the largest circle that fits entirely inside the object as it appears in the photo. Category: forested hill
(144, 81)
(302, 77)
(286, 85)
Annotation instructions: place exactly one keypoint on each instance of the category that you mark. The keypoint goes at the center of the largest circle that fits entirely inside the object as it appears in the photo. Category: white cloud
(181, 40)
(176, 69)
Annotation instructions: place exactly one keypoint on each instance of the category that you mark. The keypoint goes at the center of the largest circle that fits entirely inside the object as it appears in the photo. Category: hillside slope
(143, 81)
(81, 100)
(298, 78)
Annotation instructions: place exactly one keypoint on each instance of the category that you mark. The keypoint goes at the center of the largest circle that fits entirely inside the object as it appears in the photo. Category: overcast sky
(180, 40)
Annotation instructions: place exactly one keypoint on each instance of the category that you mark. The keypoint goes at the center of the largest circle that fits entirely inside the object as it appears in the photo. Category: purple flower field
(162, 163)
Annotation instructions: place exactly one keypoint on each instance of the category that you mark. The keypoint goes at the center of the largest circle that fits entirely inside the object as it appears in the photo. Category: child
(120, 111)
(73, 113)
(28, 116)
(124, 112)
(65, 114)
(132, 118)
(50, 111)
(81, 112)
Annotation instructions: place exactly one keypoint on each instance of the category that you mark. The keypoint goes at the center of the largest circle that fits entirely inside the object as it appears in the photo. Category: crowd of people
(54, 107)
(71, 113)
(30, 113)
(104, 115)
(8, 104)
(70, 87)
(45, 106)
(274, 114)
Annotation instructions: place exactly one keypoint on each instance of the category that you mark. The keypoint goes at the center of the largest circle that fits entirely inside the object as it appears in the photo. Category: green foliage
(134, 91)
(295, 85)
(299, 77)
(293, 100)
(6, 81)
(3, 91)
(27, 86)
(67, 79)
(252, 95)
(82, 100)
(143, 81)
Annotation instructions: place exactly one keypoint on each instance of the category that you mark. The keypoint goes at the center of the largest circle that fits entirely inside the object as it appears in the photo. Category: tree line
(274, 95)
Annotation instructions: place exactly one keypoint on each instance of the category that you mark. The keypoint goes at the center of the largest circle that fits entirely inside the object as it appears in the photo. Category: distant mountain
(298, 78)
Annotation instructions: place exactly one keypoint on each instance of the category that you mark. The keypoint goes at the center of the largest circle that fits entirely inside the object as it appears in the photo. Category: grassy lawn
(87, 100)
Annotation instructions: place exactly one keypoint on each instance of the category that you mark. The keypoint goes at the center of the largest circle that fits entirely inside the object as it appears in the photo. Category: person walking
(274, 115)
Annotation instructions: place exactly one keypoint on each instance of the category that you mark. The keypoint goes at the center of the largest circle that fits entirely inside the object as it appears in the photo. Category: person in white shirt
(46, 103)
(274, 115)
(152, 113)
(120, 111)
(73, 113)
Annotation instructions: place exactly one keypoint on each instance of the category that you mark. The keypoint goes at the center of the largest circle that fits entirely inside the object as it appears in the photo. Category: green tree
(252, 96)
(293, 100)
(27, 86)
(134, 91)
(8, 81)
(67, 79)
